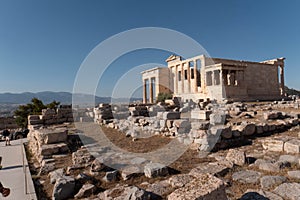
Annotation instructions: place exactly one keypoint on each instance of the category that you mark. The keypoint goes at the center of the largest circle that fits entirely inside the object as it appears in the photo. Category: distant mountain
(47, 97)
(291, 91)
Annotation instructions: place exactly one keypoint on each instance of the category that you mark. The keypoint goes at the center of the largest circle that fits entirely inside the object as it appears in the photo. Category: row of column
(182, 76)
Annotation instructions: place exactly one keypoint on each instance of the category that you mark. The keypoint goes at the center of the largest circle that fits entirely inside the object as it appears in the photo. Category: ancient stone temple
(202, 77)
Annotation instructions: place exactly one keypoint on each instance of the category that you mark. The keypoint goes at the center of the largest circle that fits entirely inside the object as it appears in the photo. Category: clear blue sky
(43, 43)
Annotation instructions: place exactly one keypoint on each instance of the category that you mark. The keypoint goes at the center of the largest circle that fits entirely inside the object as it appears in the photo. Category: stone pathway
(12, 174)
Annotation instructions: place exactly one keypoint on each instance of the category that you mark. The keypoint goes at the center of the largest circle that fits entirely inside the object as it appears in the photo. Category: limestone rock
(55, 175)
(153, 170)
(273, 145)
(292, 146)
(160, 188)
(246, 177)
(63, 188)
(217, 118)
(86, 191)
(267, 182)
(294, 174)
(288, 190)
(236, 156)
(180, 180)
(205, 187)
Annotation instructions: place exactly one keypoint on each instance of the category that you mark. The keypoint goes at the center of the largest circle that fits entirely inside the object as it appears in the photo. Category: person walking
(6, 134)
(4, 191)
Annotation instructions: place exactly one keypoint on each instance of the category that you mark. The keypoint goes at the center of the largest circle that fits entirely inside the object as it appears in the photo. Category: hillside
(47, 97)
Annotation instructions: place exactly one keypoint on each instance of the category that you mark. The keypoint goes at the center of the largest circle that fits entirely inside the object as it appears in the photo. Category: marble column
(195, 76)
(282, 89)
(151, 90)
(144, 91)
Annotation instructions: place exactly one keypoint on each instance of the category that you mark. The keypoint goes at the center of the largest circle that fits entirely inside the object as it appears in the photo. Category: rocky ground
(264, 166)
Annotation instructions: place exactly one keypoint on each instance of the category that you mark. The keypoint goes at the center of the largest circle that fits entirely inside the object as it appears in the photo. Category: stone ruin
(207, 124)
(51, 117)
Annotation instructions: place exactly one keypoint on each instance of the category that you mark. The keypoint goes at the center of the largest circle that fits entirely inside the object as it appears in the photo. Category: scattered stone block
(288, 190)
(273, 144)
(246, 129)
(200, 114)
(180, 180)
(247, 176)
(294, 174)
(292, 146)
(55, 175)
(236, 156)
(160, 188)
(215, 169)
(130, 172)
(289, 158)
(217, 118)
(63, 188)
(205, 187)
(153, 170)
(268, 182)
(86, 191)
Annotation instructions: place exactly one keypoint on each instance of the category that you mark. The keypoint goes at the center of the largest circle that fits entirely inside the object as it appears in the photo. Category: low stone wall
(50, 117)
(45, 143)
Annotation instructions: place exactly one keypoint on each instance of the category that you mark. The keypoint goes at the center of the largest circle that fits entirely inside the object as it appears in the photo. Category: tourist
(4, 191)
(6, 134)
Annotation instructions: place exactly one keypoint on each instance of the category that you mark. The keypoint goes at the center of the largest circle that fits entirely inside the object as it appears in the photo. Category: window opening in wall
(179, 75)
(185, 74)
(208, 78)
(217, 77)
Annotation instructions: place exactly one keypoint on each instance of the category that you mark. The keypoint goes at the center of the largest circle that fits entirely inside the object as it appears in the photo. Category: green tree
(161, 97)
(34, 108)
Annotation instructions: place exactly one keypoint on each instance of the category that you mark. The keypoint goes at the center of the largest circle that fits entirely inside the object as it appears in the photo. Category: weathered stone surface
(97, 166)
(205, 187)
(294, 174)
(180, 180)
(86, 191)
(292, 146)
(171, 115)
(236, 156)
(246, 129)
(153, 170)
(288, 191)
(217, 118)
(130, 172)
(50, 149)
(82, 157)
(63, 188)
(55, 175)
(268, 166)
(160, 188)
(273, 145)
(289, 158)
(272, 115)
(200, 114)
(247, 176)
(46, 167)
(111, 176)
(211, 168)
(268, 182)
(125, 193)
(226, 132)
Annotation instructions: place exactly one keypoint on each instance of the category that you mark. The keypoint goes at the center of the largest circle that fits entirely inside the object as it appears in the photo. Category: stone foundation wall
(50, 117)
